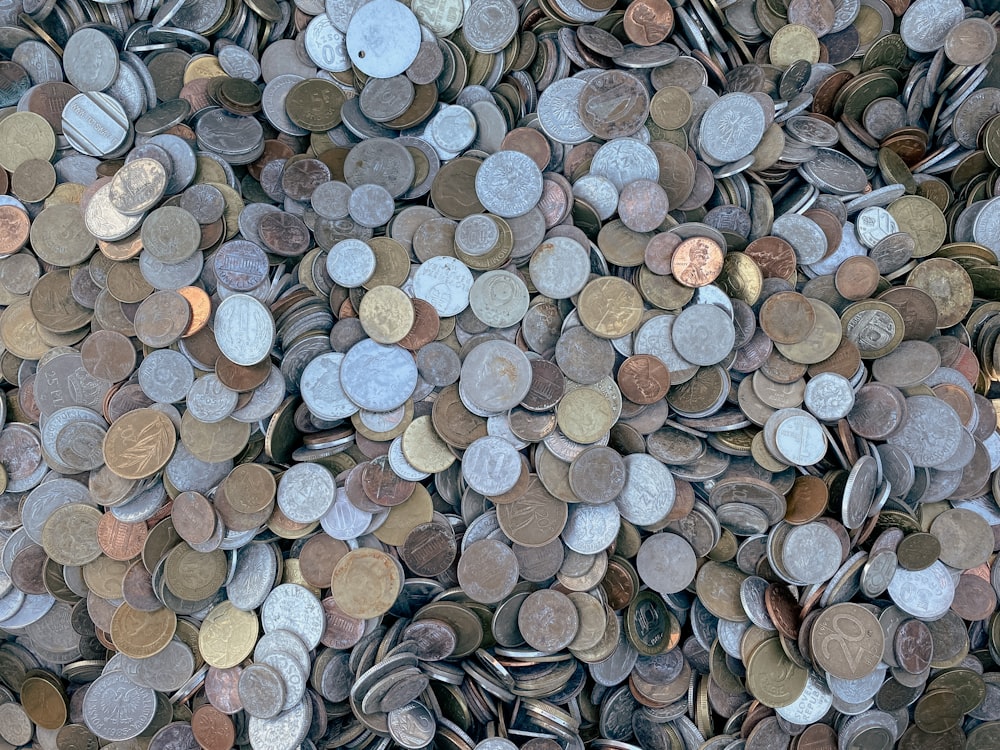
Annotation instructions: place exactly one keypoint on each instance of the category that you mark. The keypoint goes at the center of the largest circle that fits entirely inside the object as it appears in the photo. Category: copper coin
(342, 631)
(974, 599)
(697, 261)
(108, 355)
(547, 384)
(425, 328)
(383, 486)
(212, 729)
(774, 256)
(137, 589)
(434, 639)
(27, 569)
(643, 378)
(530, 142)
(14, 227)
(429, 549)
(242, 378)
(913, 646)
(660, 252)
(857, 277)
(648, 22)
(806, 500)
(783, 609)
(317, 558)
(193, 517)
(787, 317)
(220, 689)
(284, 234)
(120, 540)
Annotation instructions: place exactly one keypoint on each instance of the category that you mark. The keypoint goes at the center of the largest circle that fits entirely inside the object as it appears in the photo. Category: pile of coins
(493, 374)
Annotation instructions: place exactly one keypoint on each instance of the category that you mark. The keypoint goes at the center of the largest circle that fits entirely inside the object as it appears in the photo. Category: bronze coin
(120, 540)
(648, 22)
(382, 485)
(787, 317)
(643, 378)
(212, 729)
(913, 646)
(429, 549)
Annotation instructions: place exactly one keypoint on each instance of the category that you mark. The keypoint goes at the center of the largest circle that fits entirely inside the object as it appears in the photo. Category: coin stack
(492, 375)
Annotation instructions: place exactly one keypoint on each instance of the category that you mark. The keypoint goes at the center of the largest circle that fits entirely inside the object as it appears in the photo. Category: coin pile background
(493, 375)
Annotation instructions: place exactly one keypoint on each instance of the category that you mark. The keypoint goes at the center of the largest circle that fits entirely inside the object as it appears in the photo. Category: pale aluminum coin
(90, 60)
(491, 466)
(649, 491)
(666, 563)
(166, 376)
(599, 193)
(244, 329)
(874, 224)
(558, 111)
(453, 128)
(115, 709)
(625, 160)
(209, 400)
(731, 127)
(383, 38)
(498, 374)
(926, 593)
(655, 337)
(591, 528)
(811, 553)
(445, 283)
(930, 433)
(350, 263)
(986, 227)
(476, 234)
(499, 298)
(286, 731)
(559, 267)
(803, 234)
(321, 389)
(829, 396)
(253, 576)
(283, 640)
(330, 200)
(400, 465)
(834, 172)
(238, 63)
(293, 674)
(265, 400)
(95, 124)
(370, 205)
(703, 334)
(106, 222)
(489, 25)
(261, 689)
(168, 670)
(378, 377)
(859, 690)
(411, 726)
(798, 437)
(509, 183)
(926, 23)
(306, 492)
(811, 706)
(295, 608)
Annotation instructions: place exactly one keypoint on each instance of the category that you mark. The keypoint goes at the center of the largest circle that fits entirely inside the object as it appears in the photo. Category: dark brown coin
(318, 557)
(429, 549)
(382, 485)
(213, 730)
(913, 646)
(918, 551)
(787, 317)
(433, 639)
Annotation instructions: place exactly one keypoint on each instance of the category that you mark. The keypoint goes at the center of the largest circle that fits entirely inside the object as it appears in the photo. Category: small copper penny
(318, 557)
(425, 328)
(342, 631)
(14, 227)
(659, 252)
(242, 378)
(137, 589)
(547, 384)
(108, 355)
(783, 610)
(383, 486)
(806, 500)
(974, 599)
(643, 378)
(220, 689)
(212, 729)
(913, 646)
(284, 234)
(856, 278)
(434, 639)
(697, 261)
(120, 540)
(774, 255)
(530, 142)
(648, 22)
(429, 549)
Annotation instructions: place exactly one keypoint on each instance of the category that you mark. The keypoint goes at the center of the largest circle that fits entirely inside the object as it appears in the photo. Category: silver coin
(559, 267)
(115, 709)
(874, 224)
(412, 726)
(261, 689)
(244, 329)
(731, 127)
(929, 432)
(558, 111)
(811, 553)
(295, 608)
(253, 576)
(383, 38)
(666, 563)
(444, 282)
(509, 183)
(480, 370)
(926, 23)
(90, 60)
(803, 234)
(95, 124)
(829, 396)
(703, 334)
(648, 494)
(286, 731)
(491, 466)
(306, 492)
(926, 593)
(625, 160)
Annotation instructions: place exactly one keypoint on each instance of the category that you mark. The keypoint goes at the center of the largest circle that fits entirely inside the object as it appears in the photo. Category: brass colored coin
(45, 703)
(584, 415)
(773, 678)
(610, 307)
(875, 327)
(227, 636)
(194, 575)
(424, 448)
(25, 136)
(847, 641)
(142, 634)
(139, 444)
(69, 534)
(787, 317)
(366, 582)
(386, 314)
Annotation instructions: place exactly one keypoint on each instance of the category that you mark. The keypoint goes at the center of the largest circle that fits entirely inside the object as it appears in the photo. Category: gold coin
(386, 314)
(584, 415)
(216, 441)
(922, 220)
(227, 636)
(45, 703)
(366, 583)
(194, 575)
(20, 331)
(24, 136)
(104, 577)
(142, 634)
(794, 42)
(415, 510)
(139, 443)
(610, 307)
(671, 107)
(424, 448)
(773, 678)
(69, 535)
